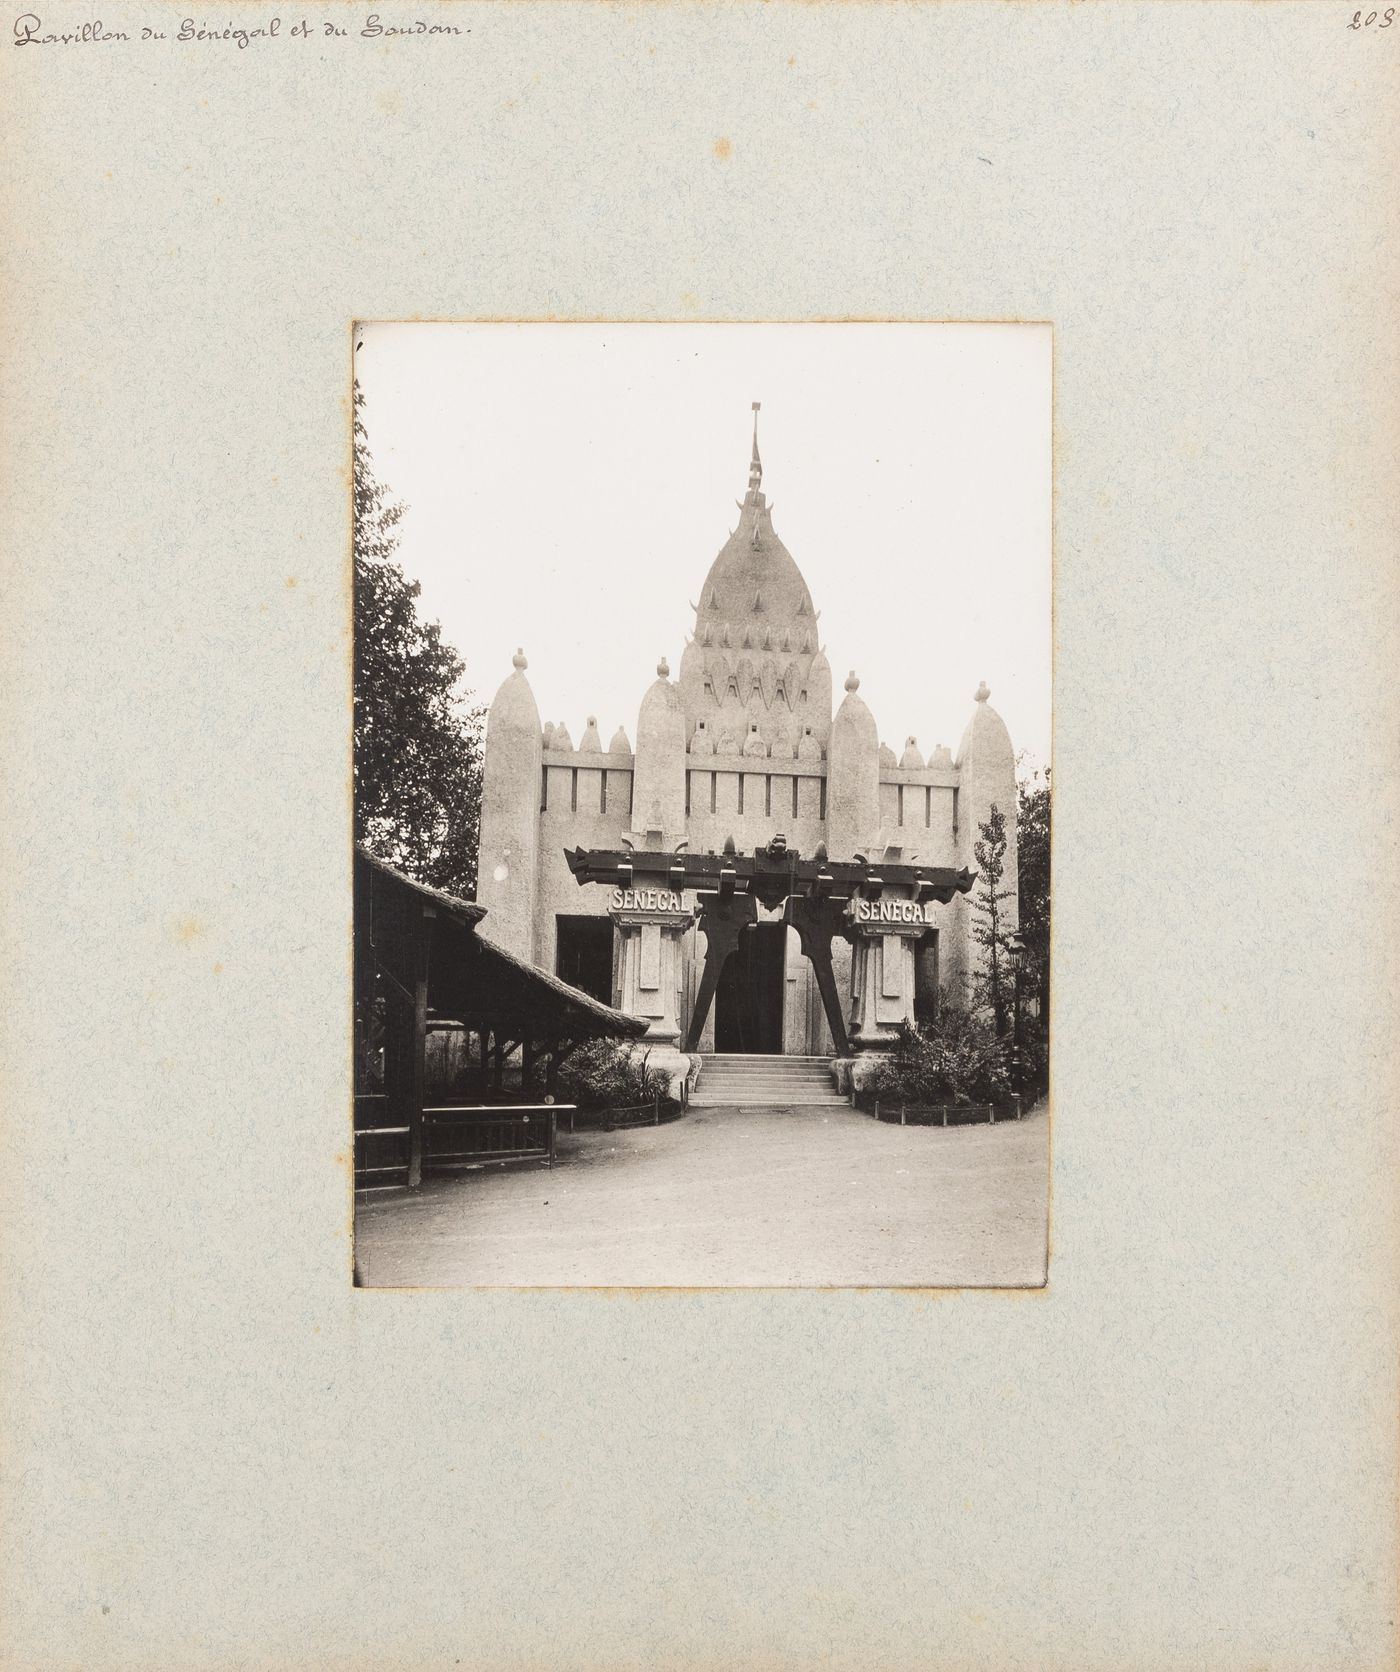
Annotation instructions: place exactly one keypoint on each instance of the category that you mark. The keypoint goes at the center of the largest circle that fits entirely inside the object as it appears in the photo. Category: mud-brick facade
(743, 745)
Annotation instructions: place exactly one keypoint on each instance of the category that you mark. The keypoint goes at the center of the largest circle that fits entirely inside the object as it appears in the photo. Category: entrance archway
(822, 898)
(749, 998)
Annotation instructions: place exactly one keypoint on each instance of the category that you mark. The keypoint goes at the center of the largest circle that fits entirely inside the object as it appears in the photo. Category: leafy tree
(992, 984)
(1033, 882)
(417, 733)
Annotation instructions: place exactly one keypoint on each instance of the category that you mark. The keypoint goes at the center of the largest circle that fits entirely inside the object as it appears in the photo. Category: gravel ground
(731, 1198)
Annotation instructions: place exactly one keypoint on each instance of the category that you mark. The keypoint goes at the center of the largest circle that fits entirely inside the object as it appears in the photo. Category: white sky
(568, 487)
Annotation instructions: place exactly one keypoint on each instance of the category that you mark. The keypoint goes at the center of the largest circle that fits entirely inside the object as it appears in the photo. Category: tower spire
(755, 463)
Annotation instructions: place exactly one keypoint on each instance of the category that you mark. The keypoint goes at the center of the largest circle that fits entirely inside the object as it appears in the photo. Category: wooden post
(816, 922)
(721, 923)
(418, 1071)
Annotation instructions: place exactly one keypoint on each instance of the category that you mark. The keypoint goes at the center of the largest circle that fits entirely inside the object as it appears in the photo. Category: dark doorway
(583, 955)
(926, 980)
(749, 999)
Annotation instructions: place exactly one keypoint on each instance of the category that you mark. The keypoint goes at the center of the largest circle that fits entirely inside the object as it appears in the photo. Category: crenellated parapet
(584, 779)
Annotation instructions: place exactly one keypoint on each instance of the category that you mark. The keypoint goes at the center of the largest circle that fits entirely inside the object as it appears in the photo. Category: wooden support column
(423, 942)
(722, 921)
(817, 923)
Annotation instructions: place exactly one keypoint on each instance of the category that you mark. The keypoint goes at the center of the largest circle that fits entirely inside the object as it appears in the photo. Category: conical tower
(755, 656)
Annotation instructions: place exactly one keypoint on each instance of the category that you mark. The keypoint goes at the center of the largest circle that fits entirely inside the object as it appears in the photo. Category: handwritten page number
(1373, 20)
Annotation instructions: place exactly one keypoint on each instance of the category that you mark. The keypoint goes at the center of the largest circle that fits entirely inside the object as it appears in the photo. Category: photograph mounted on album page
(766, 1000)
(700, 822)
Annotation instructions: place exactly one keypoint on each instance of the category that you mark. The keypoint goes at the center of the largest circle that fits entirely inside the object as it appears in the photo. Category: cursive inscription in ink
(30, 30)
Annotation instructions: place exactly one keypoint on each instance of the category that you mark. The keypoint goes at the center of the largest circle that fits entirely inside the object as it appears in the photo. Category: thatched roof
(469, 977)
(609, 1020)
(466, 910)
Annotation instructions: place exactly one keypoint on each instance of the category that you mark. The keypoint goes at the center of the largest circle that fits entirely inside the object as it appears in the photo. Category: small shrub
(606, 1075)
(957, 1059)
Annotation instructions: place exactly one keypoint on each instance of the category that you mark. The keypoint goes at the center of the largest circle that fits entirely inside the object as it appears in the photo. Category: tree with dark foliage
(1033, 884)
(417, 733)
(992, 985)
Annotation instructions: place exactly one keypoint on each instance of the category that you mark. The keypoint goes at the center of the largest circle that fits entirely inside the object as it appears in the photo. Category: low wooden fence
(637, 1114)
(896, 1113)
(381, 1146)
(455, 1135)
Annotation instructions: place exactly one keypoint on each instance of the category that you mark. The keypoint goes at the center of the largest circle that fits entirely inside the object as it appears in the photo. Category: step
(784, 1088)
(803, 1071)
(788, 1094)
(749, 1101)
(745, 1057)
(768, 1074)
(764, 1080)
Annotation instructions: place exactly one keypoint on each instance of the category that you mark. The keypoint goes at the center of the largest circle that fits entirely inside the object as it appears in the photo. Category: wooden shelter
(418, 955)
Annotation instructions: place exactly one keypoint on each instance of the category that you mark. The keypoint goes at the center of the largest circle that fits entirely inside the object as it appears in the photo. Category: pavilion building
(741, 748)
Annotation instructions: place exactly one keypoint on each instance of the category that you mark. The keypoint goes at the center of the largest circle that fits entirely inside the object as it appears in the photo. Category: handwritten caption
(30, 31)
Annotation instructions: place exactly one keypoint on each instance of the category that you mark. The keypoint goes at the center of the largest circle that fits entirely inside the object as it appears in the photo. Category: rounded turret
(986, 764)
(816, 711)
(852, 776)
(658, 785)
(694, 662)
(510, 799)
(985, 757)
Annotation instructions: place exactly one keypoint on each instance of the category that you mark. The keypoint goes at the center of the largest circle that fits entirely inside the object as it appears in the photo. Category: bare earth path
(727, 1197)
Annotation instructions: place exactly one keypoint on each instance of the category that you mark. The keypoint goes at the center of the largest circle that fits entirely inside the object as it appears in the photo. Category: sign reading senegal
(888, 911)
(645, 899)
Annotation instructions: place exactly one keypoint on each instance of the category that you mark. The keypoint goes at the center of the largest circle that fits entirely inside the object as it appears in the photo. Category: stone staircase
(752, 1081)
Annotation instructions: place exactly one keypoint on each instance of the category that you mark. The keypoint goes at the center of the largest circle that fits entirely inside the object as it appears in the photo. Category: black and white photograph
(702, 768)
(702, 805)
